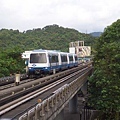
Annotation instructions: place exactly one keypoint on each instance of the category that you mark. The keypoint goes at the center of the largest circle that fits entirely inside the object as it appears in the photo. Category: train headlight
(45, 67)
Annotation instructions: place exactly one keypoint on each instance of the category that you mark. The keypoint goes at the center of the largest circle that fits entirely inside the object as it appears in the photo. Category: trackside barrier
(51, 107)
(17, 79)
(11, 79)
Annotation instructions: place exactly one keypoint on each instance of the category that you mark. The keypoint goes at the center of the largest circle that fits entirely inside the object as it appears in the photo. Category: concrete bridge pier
(73, 105)
(84, 88)
(60, 116)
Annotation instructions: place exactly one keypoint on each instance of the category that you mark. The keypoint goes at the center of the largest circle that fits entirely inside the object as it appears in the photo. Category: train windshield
(38, 58)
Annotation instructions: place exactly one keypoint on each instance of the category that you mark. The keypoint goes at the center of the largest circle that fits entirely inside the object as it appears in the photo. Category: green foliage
(49, 37)
(11, 62)
(105, 82)
(13, 43)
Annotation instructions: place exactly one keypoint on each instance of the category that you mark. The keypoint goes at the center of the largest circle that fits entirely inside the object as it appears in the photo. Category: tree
(105, 81)
(11, 62)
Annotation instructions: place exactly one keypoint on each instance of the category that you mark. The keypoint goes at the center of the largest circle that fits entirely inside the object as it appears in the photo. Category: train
(43, 62)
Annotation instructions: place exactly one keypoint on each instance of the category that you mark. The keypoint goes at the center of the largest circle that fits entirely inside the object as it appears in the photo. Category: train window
(38, 58)
(75, 58)
(54, 58)
(64, 58)
(70, 58)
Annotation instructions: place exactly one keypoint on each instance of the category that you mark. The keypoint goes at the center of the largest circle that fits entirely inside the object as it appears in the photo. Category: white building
(78, 48)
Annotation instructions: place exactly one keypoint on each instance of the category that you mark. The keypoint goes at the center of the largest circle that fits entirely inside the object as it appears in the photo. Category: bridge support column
(84, 88)
(73, 105)
(60, 116)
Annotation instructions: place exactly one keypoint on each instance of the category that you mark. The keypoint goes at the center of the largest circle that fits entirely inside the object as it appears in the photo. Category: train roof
(45, 51)
(39, 50)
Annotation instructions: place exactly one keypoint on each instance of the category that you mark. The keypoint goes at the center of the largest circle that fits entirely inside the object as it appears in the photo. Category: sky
(86, 16)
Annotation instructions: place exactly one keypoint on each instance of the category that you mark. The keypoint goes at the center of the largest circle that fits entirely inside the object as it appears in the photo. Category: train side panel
(70, 60)
(53, 61)
(75, 60)
(64, 61)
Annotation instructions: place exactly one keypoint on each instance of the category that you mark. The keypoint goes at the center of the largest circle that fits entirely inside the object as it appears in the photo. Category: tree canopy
(105, 81)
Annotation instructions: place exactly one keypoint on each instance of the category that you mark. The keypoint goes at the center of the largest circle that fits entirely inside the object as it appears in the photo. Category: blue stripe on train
(48, 69)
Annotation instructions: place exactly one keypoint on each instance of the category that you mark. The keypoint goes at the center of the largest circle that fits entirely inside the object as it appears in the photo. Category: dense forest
(104, 85)
(14, 42)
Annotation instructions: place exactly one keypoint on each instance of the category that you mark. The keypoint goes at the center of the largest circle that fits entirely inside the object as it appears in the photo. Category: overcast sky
(82, 15)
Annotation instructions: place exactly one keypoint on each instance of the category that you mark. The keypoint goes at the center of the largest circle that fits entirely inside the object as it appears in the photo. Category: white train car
(43, 62)
(48, 61)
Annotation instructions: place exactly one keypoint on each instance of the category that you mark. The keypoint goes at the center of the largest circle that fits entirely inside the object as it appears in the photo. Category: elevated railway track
(10, 80)
(11, 89)
(19, 99)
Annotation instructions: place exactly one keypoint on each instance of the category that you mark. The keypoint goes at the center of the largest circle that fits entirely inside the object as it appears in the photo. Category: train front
(38, 63)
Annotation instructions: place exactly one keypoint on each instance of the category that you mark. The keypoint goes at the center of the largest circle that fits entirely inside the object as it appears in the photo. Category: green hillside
(14, 42)
(49, 37)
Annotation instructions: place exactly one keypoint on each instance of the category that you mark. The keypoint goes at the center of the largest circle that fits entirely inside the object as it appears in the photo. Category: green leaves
(105, 82)
(50, 37)
(11, 62)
